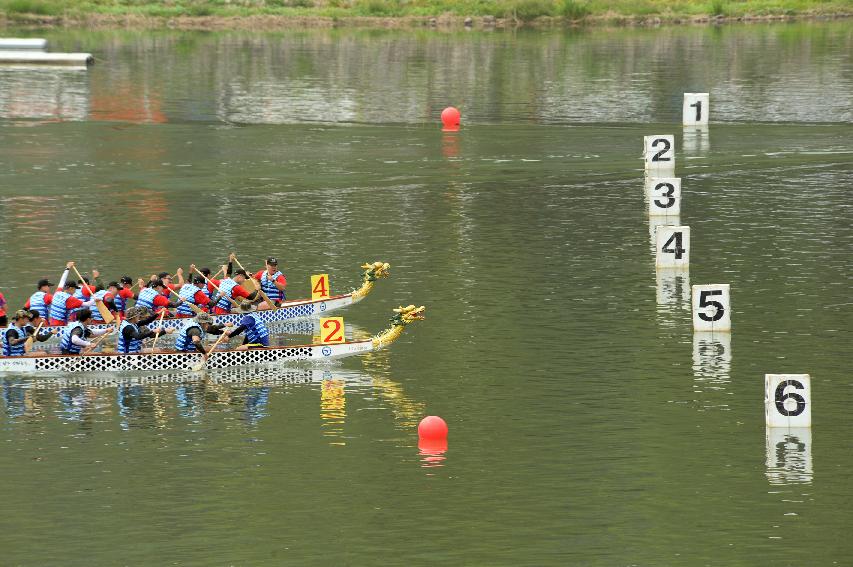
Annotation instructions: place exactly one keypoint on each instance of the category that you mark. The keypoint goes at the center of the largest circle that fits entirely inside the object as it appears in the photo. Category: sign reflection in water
(789, 455)
(712, 365)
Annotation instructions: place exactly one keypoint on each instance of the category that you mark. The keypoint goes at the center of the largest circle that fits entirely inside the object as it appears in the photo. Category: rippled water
(589, 424)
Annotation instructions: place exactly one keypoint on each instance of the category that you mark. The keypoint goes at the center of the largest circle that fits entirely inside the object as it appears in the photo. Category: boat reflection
(712, 364)
(333, 408)
(789, 455)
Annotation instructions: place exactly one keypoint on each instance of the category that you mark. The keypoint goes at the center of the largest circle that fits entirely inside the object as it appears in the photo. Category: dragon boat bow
(111, 362)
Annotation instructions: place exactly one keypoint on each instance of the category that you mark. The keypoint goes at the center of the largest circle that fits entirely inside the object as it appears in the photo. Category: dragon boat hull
(104, 362)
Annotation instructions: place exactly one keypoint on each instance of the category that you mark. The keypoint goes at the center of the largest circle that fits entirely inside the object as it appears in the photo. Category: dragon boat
(161, 360)
(292, 309)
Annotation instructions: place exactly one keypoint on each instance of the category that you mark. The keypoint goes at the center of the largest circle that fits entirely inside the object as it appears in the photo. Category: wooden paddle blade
(28, 345)
(251, 285)
(105, 312)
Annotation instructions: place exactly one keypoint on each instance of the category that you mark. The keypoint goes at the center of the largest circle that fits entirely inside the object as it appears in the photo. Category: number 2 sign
(787, 400)
(320, 287)
(712, 309)
(659, 151)
(332, 330)
(672, 245)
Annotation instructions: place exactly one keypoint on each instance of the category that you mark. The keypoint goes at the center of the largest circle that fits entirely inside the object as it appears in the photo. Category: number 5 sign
(319, 287)
(711, 308)
(332, 330)
(788, 400)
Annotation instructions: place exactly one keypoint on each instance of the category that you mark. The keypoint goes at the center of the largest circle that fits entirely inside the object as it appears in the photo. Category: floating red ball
(432, 427)
(450, 117)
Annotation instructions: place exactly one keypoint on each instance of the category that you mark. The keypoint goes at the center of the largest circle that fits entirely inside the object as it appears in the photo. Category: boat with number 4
(112, 362)
(292, 309)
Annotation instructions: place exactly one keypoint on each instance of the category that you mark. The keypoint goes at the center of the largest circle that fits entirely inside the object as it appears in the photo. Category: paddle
(96, 342)
(258, 286)
(102, 309)
(203, 362)
(28, 345)
(231, 299)
(192, 305)
(159, 328)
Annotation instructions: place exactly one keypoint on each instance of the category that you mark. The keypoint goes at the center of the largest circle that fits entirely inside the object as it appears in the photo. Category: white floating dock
(41, 58)
(30, 44)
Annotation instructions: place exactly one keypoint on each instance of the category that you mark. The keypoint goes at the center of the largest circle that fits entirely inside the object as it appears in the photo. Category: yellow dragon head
(376, 270)
(405, 315)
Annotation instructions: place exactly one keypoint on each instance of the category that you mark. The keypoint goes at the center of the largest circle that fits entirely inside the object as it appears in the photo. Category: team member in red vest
(64, 301)
(152, 296)
(230, 288)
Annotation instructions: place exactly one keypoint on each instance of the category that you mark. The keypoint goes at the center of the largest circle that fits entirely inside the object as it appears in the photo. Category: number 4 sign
(332, 330)
(673, 246)
(320, 287)
(788, 400)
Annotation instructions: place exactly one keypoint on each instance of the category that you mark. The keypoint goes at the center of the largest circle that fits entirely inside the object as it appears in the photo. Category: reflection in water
(672, 289)
(54, 93)
(333, 410)
(789, 455)
(696, 140)
(712, 363)
(77, 403)
(432, 452)
(407, 412)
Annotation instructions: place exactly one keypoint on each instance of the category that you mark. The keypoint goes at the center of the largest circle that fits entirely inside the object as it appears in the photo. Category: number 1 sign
(696, 109)
(788, 400)
(672, 245)
(711, 308)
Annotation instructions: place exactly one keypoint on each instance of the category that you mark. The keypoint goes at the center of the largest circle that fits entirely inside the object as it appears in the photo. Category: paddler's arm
(61, 284)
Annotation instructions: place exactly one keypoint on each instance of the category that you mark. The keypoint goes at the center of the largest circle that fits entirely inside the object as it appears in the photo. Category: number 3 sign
(332, 330)
(788, 400)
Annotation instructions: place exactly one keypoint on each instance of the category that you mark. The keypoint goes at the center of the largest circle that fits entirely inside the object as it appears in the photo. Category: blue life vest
(119, 302)
(37, 303)
(125, 346)
(187, 293)
(268, 285)
(98, 295)
(58, 310)
(79, 295)
(13, 350)
(183, 343)
(65, 342)
(225, 287)
(257, 333)
(146, 298)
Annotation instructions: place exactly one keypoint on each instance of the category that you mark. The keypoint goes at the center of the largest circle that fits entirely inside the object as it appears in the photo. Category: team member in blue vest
(133, 330)
(36, 321)
(152, 297)
(192, 293)
(230, 289)
(257, 335)
(41, 299)
(124, 293)
(273, 282)
(64, 302)
(74, 335)
(15, 335)
(192, 332)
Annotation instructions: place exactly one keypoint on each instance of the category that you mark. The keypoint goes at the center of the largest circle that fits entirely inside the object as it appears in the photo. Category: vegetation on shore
(520, 11)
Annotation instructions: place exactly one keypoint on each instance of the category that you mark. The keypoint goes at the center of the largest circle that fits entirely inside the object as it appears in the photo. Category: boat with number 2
(112, 362)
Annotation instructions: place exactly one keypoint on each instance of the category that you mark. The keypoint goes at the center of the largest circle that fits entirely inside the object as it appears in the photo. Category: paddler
(133, 331)
(74, 335)
(15, 335)
(192, 332)
(229, 289)
(37, 321)
(273, 282)
(40, 301)
(63, 302)
(152, 296)
(124, 292)
(257, 335)
(192, 293)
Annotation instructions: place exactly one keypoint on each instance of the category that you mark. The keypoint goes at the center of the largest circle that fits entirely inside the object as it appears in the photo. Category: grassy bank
(251, 13)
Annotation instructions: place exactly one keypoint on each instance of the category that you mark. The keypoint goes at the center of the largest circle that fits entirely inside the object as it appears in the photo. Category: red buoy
(450, 119)
(432, 428)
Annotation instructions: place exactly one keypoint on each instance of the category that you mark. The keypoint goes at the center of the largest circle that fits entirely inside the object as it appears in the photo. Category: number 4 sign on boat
(788, 400)
(332, 330)
(320, 288)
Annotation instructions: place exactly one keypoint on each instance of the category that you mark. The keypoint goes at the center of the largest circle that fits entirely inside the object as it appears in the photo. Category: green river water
(587, 425)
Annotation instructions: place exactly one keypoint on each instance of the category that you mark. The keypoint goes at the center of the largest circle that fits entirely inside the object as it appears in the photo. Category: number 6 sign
(711, 308)
(332, 330)
(787, 400)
